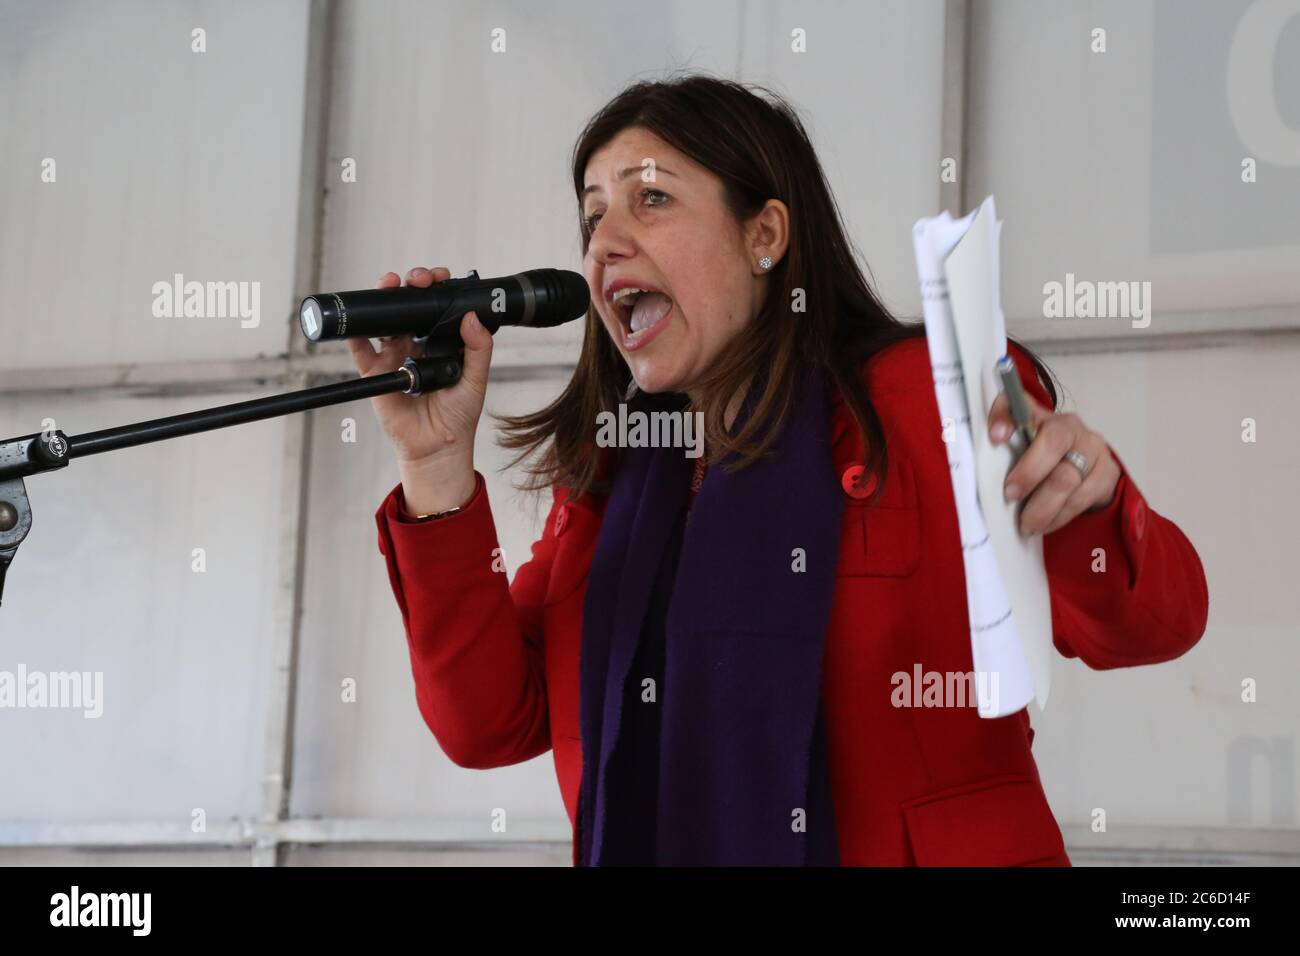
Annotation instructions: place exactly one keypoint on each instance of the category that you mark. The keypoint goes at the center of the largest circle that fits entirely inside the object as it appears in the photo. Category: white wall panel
(167, 161)
(1126, 165)
(1163, 744)
(870, 88)
(558, 855)
(105, 583)
(66, 857)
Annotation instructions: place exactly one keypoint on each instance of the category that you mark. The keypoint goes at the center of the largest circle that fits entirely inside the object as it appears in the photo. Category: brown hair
(758, 147)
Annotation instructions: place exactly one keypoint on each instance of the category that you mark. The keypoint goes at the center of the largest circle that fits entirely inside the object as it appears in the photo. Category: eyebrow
(624, 173)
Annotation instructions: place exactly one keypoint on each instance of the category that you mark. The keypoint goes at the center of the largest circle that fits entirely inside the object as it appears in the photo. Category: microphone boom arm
(440, 367)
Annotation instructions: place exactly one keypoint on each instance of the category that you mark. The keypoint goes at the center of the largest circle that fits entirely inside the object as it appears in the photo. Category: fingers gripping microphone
(538, 298)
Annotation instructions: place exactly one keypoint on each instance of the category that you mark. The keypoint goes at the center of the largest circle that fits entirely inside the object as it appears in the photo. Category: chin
(653, 378)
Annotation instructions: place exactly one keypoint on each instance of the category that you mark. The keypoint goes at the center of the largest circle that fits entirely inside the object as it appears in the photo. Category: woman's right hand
(432, 434)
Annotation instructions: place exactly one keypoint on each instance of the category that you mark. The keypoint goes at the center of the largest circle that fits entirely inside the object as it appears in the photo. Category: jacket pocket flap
(883, 539)
(1003, 821)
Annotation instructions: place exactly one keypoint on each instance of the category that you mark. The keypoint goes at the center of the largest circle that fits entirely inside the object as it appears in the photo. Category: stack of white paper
(1006, 579)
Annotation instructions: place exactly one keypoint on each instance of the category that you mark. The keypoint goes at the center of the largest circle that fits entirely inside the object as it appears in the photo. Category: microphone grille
(562, 296)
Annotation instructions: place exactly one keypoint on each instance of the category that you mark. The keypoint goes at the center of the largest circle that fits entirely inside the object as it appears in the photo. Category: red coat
(496, 664)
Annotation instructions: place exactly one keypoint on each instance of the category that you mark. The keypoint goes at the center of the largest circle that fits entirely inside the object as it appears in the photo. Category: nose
(612, 238)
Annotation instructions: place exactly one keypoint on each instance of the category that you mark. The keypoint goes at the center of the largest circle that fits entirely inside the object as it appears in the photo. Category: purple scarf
(740, 744)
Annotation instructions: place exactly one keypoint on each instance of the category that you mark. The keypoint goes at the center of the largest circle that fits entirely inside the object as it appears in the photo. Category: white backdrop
(225, 166)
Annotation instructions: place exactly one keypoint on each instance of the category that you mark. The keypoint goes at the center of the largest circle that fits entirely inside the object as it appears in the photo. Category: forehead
(631, 147)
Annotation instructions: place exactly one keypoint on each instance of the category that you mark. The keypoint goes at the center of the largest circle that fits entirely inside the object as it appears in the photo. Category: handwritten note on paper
(1006, 579)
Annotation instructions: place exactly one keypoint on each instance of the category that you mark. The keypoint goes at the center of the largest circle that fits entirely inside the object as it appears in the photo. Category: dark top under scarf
(727, 613)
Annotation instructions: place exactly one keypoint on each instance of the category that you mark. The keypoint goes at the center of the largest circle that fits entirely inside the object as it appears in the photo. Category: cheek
(712, 287)
(719, 309)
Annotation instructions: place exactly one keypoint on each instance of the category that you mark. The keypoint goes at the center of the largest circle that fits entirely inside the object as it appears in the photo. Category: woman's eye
(653, 197)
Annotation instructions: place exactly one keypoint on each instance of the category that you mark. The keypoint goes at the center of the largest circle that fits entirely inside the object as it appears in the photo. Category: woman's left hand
(1054, 491)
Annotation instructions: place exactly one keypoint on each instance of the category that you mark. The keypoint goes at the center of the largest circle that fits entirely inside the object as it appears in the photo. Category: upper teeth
(623, 293)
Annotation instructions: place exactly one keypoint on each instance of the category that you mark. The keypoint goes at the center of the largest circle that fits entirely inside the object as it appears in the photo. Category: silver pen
(1017, 400)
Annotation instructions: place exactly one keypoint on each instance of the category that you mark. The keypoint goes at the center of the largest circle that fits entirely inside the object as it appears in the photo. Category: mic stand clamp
(19, 457)
(438, 367)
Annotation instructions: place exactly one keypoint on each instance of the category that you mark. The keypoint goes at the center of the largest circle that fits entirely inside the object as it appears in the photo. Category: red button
(561, 520)
(853, 484)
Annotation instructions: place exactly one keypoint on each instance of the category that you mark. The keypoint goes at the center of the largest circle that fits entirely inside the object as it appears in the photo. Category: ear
(767, 233)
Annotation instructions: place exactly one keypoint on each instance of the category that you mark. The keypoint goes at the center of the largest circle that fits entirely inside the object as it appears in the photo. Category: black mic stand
(439, 367)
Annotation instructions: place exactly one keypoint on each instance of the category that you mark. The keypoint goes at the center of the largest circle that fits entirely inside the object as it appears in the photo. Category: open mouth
(641, 309)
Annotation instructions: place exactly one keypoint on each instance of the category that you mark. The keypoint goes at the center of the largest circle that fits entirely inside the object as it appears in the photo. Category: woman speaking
(709, 644)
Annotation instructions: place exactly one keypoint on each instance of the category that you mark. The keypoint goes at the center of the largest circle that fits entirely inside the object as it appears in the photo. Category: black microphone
(538, 298)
